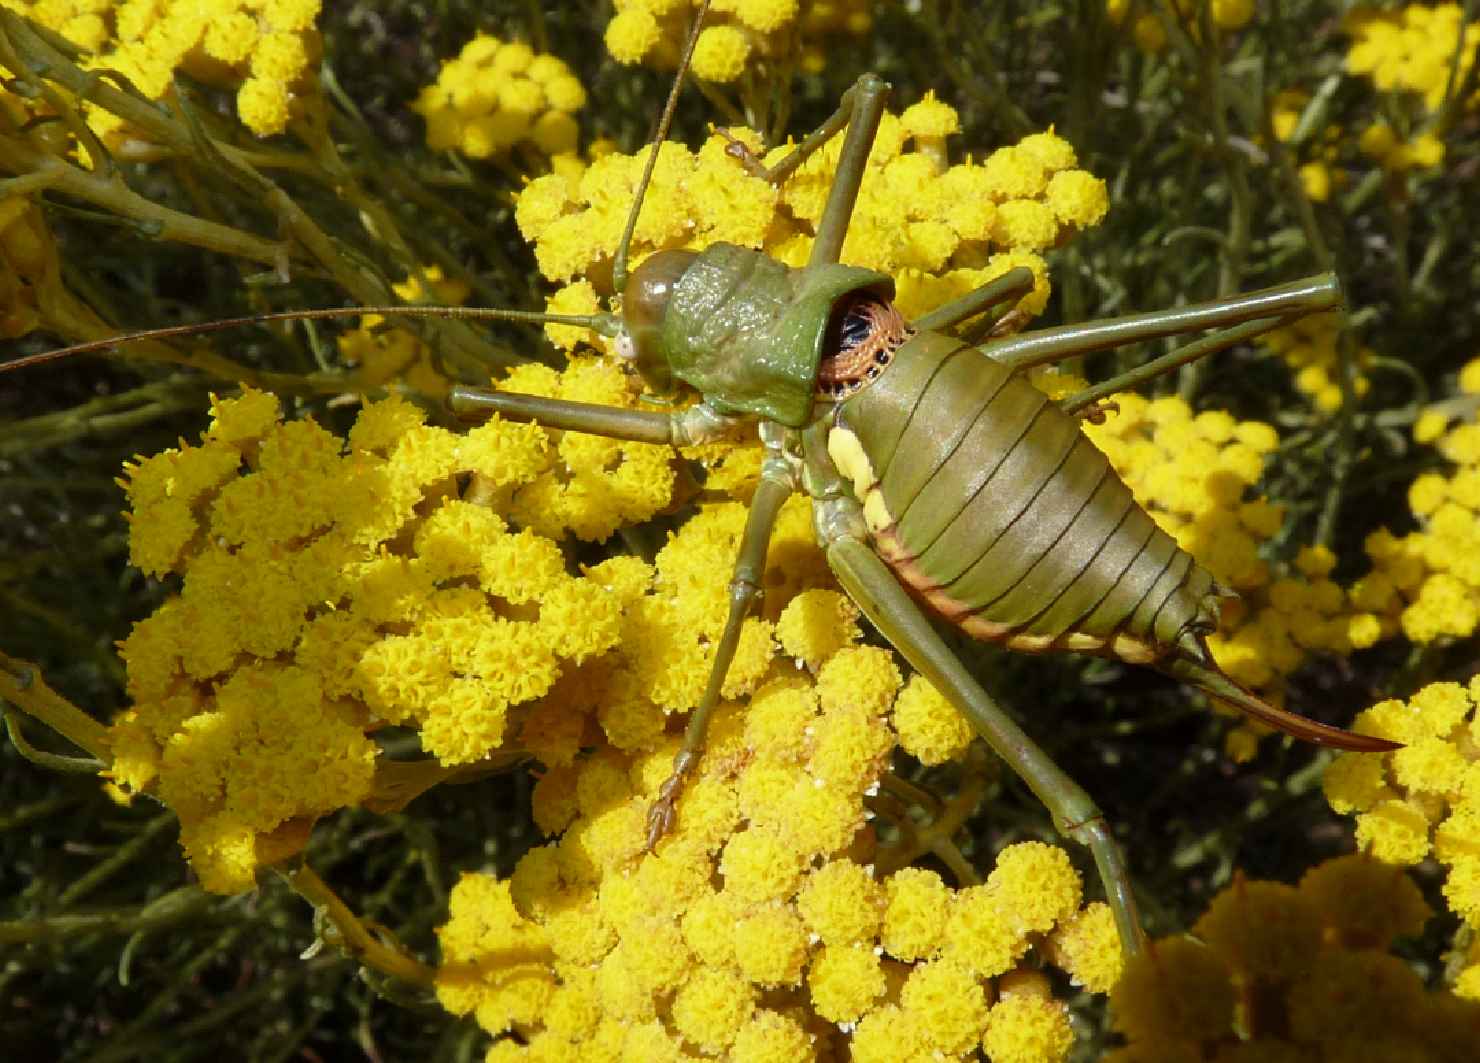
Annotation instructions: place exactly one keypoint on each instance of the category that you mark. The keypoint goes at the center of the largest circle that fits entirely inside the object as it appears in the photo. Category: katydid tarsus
(990, 510)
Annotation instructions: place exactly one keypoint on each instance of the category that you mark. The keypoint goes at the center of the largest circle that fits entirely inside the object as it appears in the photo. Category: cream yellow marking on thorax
(875, 512)
(847, 454)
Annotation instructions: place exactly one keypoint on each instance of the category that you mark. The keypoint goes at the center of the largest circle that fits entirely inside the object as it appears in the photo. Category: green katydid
(993, 512)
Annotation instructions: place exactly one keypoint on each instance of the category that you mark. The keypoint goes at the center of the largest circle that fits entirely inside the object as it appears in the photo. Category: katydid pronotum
(991, 510)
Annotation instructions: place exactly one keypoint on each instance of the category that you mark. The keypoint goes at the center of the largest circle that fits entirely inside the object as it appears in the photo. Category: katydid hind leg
(868, 96)
(1048, 345)
(889, 607)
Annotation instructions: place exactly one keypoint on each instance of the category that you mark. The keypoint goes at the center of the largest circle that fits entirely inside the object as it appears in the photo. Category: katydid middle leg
(1013, 284)
(778, 480)
(691, 425)
(860, 110)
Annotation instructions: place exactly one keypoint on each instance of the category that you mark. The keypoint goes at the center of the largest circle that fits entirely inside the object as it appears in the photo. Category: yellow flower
(929, 726)
(765, 16)
(495, 94)
(841, 903)
(948, 1003)
(915, 917)
(1024, 1028)
(759, 866)
(1088, 947)
(630, 35)
(712, 1006)
(720, 54)
(845, 981)
(816, 624)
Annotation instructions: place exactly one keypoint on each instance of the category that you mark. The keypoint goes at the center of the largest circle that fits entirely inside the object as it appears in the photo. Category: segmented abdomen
(988, 500)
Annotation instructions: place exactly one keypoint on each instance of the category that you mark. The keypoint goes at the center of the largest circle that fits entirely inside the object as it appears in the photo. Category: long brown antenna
(605, 324)
(619, 265)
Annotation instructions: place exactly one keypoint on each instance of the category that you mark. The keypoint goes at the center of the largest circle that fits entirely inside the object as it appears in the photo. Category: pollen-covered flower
(265, 50)
(735, 33)
(745, 918)
(1426, 583)
(496, 94)
(1422, 798)
(939, 230)
(390, 596)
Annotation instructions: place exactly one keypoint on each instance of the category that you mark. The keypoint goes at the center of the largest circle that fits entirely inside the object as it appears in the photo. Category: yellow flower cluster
(1411, 49)
(1422, 152)
(384, 354)
(496, 94)
(1276, 972)
(1427, 583)
(266, 48)
(1318, 175)
(737, 34)
(350, 582)
(1191, 472)
(757, 929)
(1424, 799)
(1151, 36)
(1309, 348)
(939, 230)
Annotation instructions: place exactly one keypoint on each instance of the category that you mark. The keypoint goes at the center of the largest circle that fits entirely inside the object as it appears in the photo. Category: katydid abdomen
(989, 502)
(986, 500)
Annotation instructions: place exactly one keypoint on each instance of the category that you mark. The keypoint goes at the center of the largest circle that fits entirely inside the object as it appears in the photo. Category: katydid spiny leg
(1044, 346)
(888, 606)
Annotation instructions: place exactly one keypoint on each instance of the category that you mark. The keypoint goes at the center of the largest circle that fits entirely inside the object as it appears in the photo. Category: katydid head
(645, 300)
(751, 334)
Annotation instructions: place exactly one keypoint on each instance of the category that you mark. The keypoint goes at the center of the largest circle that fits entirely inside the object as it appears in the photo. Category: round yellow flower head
(721, 53)
(930, 118)
(631, 35)
(1416, 801)
(495, 94)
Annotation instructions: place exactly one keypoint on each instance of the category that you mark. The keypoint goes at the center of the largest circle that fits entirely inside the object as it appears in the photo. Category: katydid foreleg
(694, 424)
